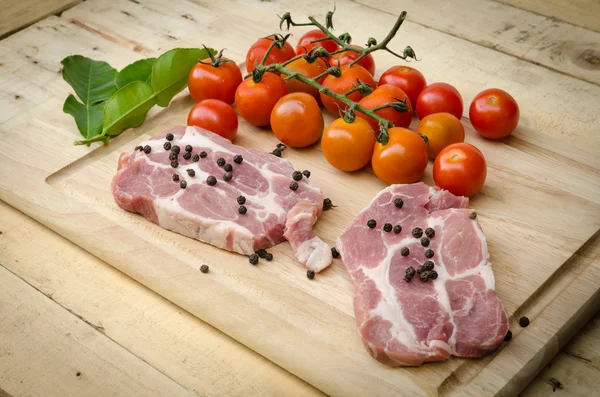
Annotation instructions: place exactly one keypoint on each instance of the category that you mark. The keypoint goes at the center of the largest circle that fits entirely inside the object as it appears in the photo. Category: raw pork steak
(408, 323)
(149, 182)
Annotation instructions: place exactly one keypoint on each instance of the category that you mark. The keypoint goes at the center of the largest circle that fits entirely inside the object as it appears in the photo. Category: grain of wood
(19, 14)
(526, 35)
(585, 13)
(157, 332)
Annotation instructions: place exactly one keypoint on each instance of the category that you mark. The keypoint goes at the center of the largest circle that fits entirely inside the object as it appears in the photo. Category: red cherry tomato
(439, 98)
(383, 95)
(347, 57)
(255, 101)
(403, 159)
(303, 67)
(206, 81)
(460, 168)
(277, 55)
(304, 45)
(343, 84)
(297, 120)
(494, 113)
(216, 116)
(410, 80)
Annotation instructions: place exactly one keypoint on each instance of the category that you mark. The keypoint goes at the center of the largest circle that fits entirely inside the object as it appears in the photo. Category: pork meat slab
(149, 183)
(409, 323)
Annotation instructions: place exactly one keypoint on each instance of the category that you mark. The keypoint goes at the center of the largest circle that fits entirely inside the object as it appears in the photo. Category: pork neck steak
(191, 195)
(454, 310)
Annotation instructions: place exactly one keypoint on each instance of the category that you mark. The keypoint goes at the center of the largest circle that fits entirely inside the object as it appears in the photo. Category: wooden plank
(526, 35)
(47, 351)
(19, 14)
(585, 13)
(185, 349)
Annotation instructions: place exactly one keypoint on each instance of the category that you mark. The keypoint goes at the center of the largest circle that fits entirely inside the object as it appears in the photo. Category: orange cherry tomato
(347, 57)
(383, 95)
(403, 159)
(307, 69)
(441, 129)
(345, 83)
(437, 98)
(408, 79)
(304, 44)
(494, 113)
(348, 146)
(461, 169)
(216, 116)
(277, 55)
(297, 120)
(206, 81)
(255, 101)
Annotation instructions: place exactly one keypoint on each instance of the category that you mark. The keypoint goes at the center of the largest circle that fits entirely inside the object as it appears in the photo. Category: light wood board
(527, 169)
(17, 14)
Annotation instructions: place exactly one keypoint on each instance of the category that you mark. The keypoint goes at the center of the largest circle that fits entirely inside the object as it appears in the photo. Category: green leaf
(170, 72)
(88, 118)
(138, 71)
(93, 81)
(127, 107)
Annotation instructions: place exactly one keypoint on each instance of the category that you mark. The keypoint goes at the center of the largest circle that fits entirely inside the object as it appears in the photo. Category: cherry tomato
(344, 83)
(297, 120)
(277, 55)
(383, 95)
(494, 113)
(307, 69)
(347, 57)
(255, 101)
(441, 129)
(403, 159)
(206, 81)
(438, 98)
(216, 116)
(460, 168)
(348, 146)
(410, 80)
(304, 45)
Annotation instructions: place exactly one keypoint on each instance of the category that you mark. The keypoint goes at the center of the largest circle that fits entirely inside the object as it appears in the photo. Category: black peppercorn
(188, 148)
(269, 256)
(147, 149)
(428, 265)
(306, 173)
(241, 200)
(398, 202)
(334, 252)
(294, 186)
(242, 210)
(433, 275)
(227, 176)
(277, 152)
(523, 322)
(417, 232)
(387, 227)
(196, 158)
(183, 184)
(310, 274)
(175, 177)
(191, 172)
(228, 167)
(169, 137)
(372, 223)
(175, 149)
(262, 253)
(204, 269)
(397, 229)
(297, 176)
(172, 156)
(473, 215)
(238, 159)
(404, 251)
(220, 161)
(424, 276)
(429, 232)
(211, 180)
(410, 271)
(327, 204)
(140, 148)
(429, 253)
(167, 146)
(425, 242)
(174, 164)
(203, 154)
(187, 155)
(508, 336)
(253, 259)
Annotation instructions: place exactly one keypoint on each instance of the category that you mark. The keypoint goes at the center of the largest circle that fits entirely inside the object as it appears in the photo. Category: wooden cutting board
(540, 204)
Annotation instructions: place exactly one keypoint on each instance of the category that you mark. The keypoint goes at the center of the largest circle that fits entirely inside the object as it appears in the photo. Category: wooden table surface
(71, 325)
